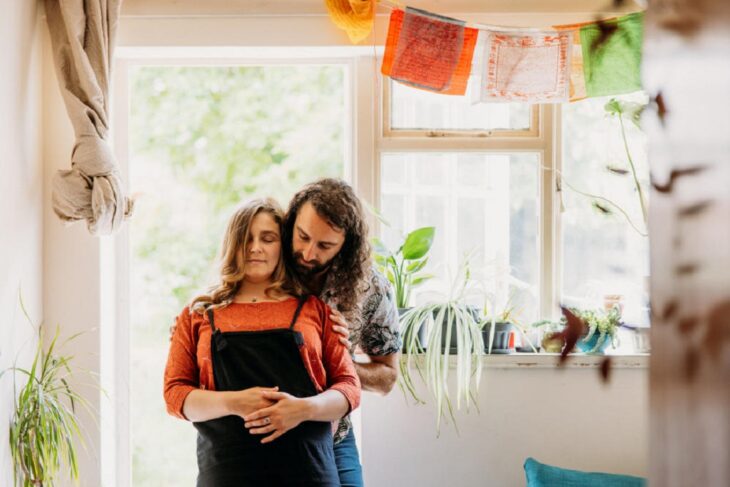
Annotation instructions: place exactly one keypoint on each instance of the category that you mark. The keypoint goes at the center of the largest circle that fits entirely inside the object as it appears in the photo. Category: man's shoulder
(378, 301)
(378, 284)
(379, 334)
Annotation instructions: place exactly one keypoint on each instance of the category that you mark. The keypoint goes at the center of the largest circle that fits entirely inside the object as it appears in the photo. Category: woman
(258, 371)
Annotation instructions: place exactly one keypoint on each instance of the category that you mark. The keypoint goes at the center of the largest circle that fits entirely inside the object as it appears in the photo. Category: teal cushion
(541, 475)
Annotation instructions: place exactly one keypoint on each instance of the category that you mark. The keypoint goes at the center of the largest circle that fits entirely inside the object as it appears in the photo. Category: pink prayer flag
(532, 67)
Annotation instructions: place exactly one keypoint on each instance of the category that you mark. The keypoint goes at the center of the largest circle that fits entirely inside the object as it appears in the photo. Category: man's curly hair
(349, 271)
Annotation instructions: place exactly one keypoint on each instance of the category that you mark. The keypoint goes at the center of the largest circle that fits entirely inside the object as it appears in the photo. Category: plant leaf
(421, 279)
(603, 209)
(380, 248)
(618, 170)
(613, 107)
(418, 243)
(417, 265)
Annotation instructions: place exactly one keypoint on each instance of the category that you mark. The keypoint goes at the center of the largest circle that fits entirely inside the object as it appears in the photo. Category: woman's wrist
(229, 402)
(309, 408)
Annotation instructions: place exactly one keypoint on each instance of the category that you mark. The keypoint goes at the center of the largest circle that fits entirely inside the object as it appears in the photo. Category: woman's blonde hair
(233, 257)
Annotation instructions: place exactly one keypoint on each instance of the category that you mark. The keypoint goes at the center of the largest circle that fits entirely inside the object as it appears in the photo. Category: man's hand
(341, 328)
(286, 413)
(248, 400)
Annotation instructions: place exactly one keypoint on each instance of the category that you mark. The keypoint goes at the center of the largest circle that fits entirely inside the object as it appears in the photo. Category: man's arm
(379, 373)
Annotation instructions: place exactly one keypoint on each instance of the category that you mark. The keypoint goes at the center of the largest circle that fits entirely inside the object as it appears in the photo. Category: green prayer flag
(613, 66)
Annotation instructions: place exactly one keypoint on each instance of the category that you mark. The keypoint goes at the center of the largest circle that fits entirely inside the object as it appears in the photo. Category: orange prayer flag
(429, 51)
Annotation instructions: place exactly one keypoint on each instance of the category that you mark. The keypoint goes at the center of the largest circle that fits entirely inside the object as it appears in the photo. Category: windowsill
(575, 361)
(551, 360)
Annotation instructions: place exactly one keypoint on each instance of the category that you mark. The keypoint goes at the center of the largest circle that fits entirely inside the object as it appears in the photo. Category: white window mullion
(549, 235)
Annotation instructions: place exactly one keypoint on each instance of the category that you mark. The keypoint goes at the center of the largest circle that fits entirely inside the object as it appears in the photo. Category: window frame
(390, 133)
(543, 138)
(115, 337)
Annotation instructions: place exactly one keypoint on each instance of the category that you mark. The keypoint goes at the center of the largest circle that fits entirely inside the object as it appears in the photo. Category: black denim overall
(228, 455)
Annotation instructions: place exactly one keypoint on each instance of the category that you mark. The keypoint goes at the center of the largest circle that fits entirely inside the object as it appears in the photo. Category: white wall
(21, 193)
(71, 272)
(565, 417)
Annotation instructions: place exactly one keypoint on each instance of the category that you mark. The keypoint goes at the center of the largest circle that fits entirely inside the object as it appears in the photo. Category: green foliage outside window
(203, 140)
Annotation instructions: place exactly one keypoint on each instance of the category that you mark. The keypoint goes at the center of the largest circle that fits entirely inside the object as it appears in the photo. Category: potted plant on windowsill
(404, 267)
(454, 335)
(498, 329)
(601, 329)
(547, 335)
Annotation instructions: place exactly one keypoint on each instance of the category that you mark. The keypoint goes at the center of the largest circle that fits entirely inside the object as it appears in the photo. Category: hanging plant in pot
(44, 425)
(404, 267)
(452, 326)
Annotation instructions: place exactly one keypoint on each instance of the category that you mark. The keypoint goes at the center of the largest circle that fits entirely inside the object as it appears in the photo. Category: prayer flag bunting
(571, 62)
(429, 51)
(530, 67)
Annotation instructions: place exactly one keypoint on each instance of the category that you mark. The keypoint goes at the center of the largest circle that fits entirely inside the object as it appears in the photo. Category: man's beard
(315, 267)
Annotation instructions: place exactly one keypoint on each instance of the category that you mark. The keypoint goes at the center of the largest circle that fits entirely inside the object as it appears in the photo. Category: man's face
(314, 243)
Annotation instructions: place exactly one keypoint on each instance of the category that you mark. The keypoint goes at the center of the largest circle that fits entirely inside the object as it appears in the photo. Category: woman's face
(263, 249)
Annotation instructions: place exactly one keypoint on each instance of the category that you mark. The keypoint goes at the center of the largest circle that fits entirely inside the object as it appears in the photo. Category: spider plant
(444, 318)
(44, 423)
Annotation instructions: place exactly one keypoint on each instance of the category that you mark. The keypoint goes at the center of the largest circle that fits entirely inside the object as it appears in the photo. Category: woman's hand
(286, 413)
(341, 328)
(248, 400)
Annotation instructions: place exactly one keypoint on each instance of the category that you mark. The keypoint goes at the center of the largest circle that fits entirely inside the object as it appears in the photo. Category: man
(326, 247)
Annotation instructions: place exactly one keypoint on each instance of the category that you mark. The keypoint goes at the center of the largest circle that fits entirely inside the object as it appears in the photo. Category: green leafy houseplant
(602, 327)
(44, 424)
(444, 319)
(402, 267)
(551, 341)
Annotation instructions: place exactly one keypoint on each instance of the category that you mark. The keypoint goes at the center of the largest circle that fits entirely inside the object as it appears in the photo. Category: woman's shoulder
(314, 301)
(191, 315)
(318, 307)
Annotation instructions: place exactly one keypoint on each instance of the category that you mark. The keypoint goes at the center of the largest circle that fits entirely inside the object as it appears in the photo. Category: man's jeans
(348, 462)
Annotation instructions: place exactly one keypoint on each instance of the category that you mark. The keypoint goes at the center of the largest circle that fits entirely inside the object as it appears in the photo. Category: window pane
(602, 253)
(414, 109)
(202, 140)
(483, 204)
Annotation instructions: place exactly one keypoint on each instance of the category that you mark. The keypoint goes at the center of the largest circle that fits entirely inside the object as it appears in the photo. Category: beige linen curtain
(82, 36)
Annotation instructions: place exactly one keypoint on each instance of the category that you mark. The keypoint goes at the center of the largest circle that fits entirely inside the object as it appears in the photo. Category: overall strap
(302, 300)
(211, 321)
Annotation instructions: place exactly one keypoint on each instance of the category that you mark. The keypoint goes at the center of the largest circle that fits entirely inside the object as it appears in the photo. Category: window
(603, 254)
(475, 173)
(413, 110)
(485, 176)
(482, 204)
(202, 139)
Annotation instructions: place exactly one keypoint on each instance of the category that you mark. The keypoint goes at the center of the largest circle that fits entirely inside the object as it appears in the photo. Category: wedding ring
(267, 420)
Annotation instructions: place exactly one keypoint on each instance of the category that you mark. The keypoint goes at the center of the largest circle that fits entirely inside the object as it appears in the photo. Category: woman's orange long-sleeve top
(189, 364)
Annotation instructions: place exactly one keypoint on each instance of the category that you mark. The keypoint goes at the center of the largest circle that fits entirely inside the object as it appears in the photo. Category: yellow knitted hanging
(353, 16)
